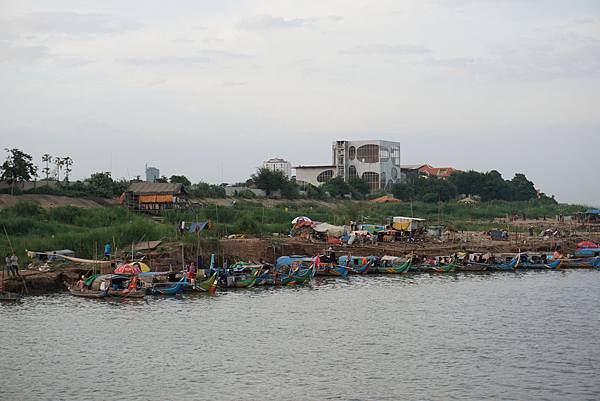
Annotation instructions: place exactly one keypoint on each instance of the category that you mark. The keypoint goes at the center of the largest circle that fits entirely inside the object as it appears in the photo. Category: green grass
(86, 230)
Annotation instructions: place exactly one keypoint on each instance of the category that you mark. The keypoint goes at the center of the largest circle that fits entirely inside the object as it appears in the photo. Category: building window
(384, 154)
(372, 179)
(368, 153)
(325, 176)
(395, 154)
(352, 172)
(352, 152)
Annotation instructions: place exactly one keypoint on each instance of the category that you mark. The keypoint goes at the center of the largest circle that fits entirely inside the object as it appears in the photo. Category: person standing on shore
(14, 264)
(107, 250)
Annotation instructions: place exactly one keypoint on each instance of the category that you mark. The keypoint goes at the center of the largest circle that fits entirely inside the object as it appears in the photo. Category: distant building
(152, 174)
(412, 171)
(277, 164)
(314, 175)
(376, 162)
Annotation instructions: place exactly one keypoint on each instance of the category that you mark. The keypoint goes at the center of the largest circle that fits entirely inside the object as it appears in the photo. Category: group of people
(12, 264)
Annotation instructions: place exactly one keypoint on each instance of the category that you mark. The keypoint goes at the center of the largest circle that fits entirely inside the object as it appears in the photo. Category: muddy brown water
(500, 336)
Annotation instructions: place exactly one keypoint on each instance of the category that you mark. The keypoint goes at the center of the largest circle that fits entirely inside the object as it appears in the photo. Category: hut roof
(151, 188)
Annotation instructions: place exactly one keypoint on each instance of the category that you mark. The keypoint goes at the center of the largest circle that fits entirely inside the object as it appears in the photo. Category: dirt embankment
(52, 201)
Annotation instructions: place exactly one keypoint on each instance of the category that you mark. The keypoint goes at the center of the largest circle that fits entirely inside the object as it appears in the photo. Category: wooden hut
(153, 197)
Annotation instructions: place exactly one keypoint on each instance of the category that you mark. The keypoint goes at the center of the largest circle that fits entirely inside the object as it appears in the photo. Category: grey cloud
(22, 54)
(228, 84)
(226, 54)
(268, 22)
(165, 60)
(71, 23)
(383, 49)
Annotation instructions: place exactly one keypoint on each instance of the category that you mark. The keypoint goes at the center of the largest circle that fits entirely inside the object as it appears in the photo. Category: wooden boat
(209, 285)
(10, 296)
(86, 293)
(581, 263)
(391, 265)
(511, 265)
(357, 264)
(331, 269)
(170, 288)
(555, 264)
(132, 290)
(446, 268)
(240, 280)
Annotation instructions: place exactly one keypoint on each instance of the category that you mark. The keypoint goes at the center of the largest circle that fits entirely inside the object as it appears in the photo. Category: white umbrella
(301, 218)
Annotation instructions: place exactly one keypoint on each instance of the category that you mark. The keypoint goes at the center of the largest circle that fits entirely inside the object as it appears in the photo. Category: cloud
(226, 54)
(165, 60)
(383, 49)
(70, 23)
(268, 22)
(22, 54)
(229, 84)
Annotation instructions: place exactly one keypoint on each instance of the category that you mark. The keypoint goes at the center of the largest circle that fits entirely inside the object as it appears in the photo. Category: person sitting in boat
(103, 286)
(81, 283)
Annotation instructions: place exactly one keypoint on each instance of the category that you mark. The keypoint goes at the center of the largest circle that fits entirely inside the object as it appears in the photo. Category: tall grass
(85, 230)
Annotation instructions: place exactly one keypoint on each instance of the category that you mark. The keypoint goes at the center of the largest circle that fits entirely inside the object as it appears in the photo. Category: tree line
(487, 186)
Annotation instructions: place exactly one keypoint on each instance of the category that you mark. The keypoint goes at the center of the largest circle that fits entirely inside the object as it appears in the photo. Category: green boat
(391, 265)
(209, 285)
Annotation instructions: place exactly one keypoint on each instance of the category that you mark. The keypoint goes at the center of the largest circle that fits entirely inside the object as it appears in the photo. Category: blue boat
(170, 288)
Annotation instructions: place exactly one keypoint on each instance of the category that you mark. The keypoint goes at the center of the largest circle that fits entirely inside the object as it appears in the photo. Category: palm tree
(59, 164)
(68, 162)
(46, 158)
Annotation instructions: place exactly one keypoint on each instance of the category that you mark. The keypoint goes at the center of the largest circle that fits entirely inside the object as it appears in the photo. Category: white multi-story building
(376, 162)
(277, 164)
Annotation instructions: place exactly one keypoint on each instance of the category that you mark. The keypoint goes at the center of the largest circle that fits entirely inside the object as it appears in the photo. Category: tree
(46, 158)
(162, 179)
(522, 188)
(269, 180)
(17, 167)
(101, 184)
(359, 185)
(403, 191)
(337, 187)
(67, 162)
(58, 166)
(180, 179)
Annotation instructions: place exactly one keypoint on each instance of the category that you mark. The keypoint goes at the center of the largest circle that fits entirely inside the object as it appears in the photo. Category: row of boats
(300, 270)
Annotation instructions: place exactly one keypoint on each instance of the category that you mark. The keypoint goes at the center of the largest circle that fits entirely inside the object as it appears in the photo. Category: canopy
(142, 266)
(301, 219)
(128, 269)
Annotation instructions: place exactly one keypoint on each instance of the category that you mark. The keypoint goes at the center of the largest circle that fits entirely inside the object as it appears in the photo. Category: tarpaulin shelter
(127, 269)
(330, 229)
(198, 226)
(587, 244)
(402, 223)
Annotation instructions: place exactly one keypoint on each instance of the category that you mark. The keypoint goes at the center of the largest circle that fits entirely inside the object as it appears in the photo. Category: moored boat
(170, 288)
(356, 264)
(391, 265)
(86, 292)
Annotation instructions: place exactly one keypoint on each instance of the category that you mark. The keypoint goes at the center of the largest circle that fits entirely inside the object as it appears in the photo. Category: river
(501, 336)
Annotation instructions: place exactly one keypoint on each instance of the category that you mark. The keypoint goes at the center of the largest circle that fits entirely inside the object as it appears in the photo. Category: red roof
(440, 172)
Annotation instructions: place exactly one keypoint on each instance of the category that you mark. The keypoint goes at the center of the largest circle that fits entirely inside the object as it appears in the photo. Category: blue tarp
(198, 226)
(593, 211)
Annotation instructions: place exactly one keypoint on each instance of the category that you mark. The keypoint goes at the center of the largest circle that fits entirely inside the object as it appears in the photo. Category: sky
(210, 89)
